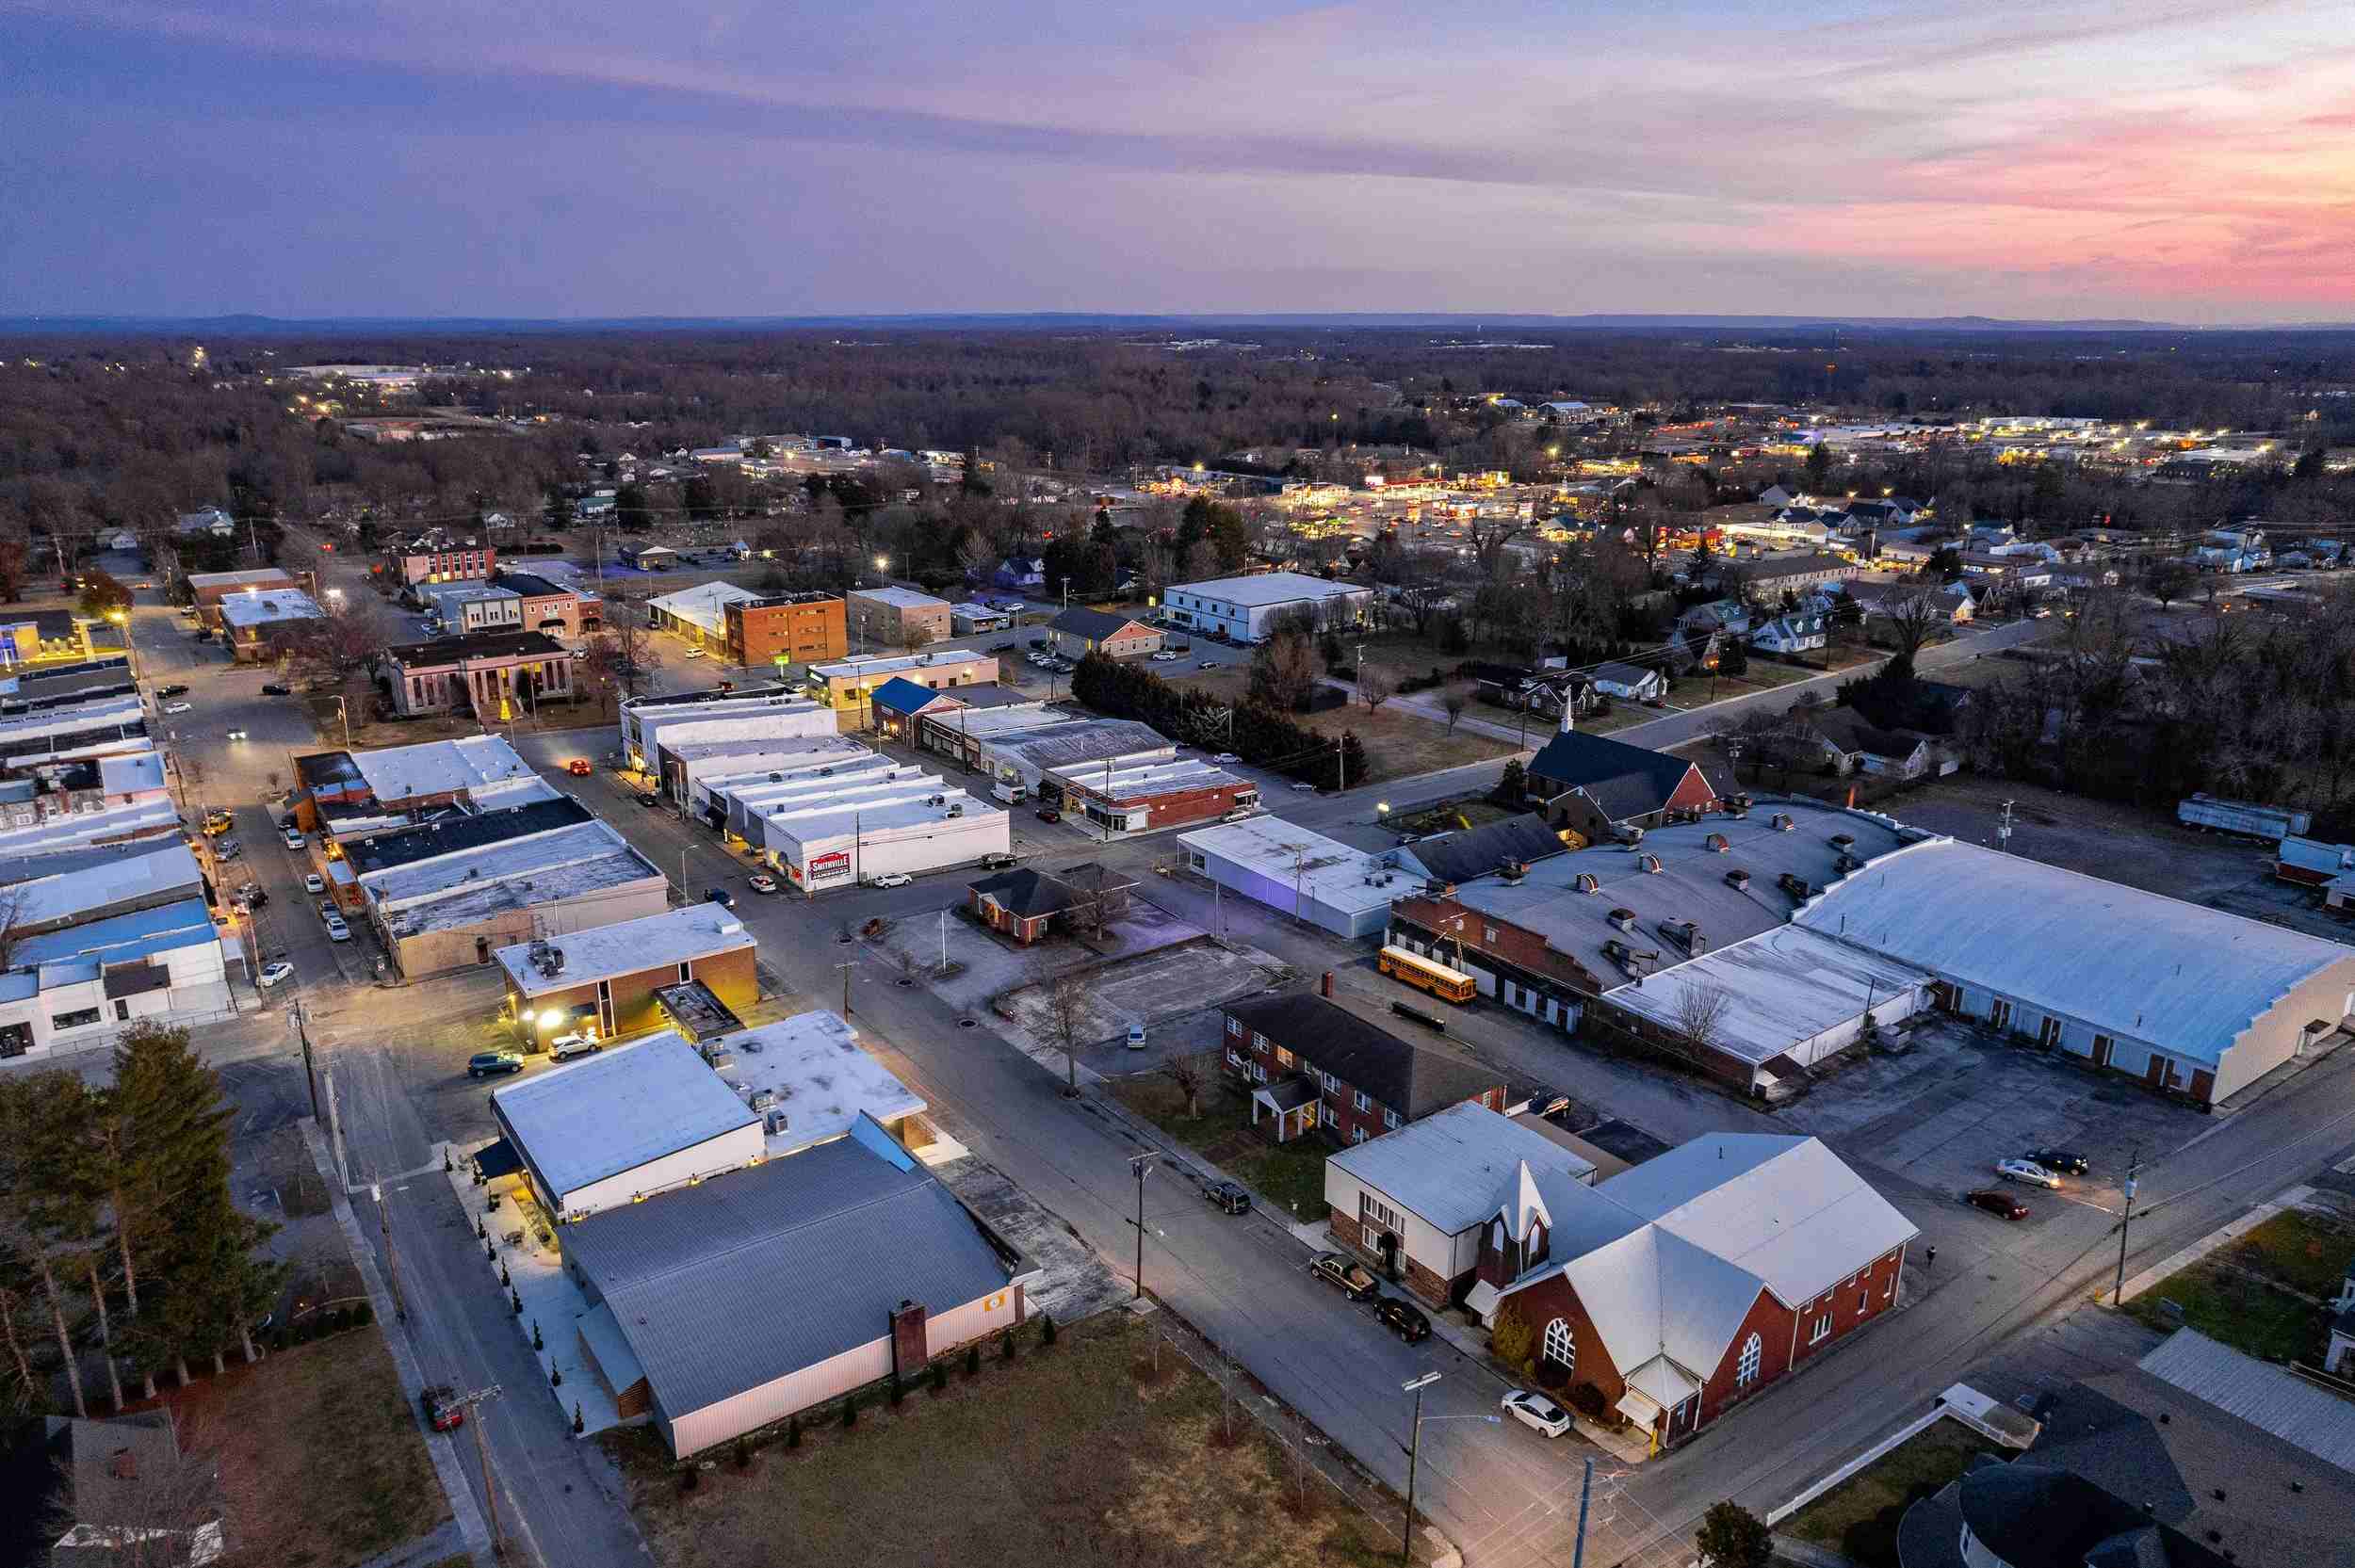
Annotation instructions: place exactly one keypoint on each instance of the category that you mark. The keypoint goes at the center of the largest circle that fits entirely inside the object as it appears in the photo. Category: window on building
(1364, 1100)
(1374, 1211)
(1390, 1119)
(1488, 934)
(1234, 1025)
(78, 1019)
(1863, 1301)
(1259, 1074)
(1745, 1369)
(1234, 1058)
(1283, 1057)
(1357, 1135)
(1560, 1348)
(1820, 1331)
(1326, 1115)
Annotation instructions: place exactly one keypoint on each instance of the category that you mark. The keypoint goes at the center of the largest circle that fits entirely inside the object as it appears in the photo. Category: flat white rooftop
(1267, 588)
(1781, 987)
(673, 937)
(439, 767)
(1144, 782)
(901, 664)
(585, 1120)
(256, 577)
(269, 606)
(819, 1076)
(899, 598)
(703, 606)
(1332, 873)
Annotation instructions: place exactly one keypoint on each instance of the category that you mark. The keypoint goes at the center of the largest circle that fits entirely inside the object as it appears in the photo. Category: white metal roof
(703, 606)
(439, 767)
(269, 606)
(899, 598)
(149, 871)
(1325, 869)
(901, 664)
(822, 1080)
(585, 1120)
(131, 773)
(1781, 987)
(2268, 1397)
(1268, 588)
(627, 946)
(1455, 1168)
(2126, 962)
(1143, 781)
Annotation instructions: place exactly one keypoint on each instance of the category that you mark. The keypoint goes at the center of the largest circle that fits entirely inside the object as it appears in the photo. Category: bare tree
(1190, 1070)
(1066, 1017)
(1914, 613)
(1699, 1016)
(1375, 685)
(155, 1501)
(1455, 700)
(1283, 670)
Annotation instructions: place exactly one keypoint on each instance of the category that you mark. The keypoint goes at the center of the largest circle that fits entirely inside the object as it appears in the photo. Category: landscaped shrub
(1006, 1348)
(1045, 1328)
(1588, 1400)
(973, 1359)
(940, 1375)
(898, 1391)
(850, 1412)
(792, 1431)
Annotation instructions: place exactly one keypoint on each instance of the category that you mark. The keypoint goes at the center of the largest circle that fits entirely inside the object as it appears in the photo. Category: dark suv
(1354, 1279)
(1402, 1320)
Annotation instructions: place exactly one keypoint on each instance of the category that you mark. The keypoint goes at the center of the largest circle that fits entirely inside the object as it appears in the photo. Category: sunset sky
(589, 157)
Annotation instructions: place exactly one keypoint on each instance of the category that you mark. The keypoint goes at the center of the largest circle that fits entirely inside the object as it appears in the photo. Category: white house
(1632, 682)
(1797, 633)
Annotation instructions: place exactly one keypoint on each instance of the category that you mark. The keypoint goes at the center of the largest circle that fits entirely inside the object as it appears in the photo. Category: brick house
(1080, 631)
(1308, 1064)
(1415, 1202)
(1027, 905)
(1596, 786)
(1685, 1286)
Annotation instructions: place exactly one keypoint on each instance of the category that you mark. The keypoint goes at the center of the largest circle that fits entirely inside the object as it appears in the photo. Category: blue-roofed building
(899, 699)
(724, 1306)
(74, 987)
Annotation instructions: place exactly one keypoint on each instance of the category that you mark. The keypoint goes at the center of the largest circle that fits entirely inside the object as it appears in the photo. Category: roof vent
(1843, 841)
(1781, 822)
(1718, 842)
(1588, 882)
(1649, 864)
(1623, 918)
(1738, 880)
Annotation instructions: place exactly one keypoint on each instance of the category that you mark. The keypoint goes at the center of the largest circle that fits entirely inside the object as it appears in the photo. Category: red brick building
(1598, 787)
(442, 561)
(1142, 796)
(1311, 1064)
(1685, 1286)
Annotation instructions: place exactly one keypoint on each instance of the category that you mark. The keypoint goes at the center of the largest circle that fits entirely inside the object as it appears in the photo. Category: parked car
(217, 823)
(997, 863)
(232, 734)
(484, 1064)
(721, 897)
(1006, 647)
(564, 1047)
(434, 1399)
(227, 848)
(179, 707)
(1228, 1197)
(1303, 787)
(292, 838)
(337, 930)
(1226, 756)
(1136, 1036)
(1402, 1320)
(176, 689)
(313, 882)
(327, 911)
(891, 879)
(274, 974)
(1536, 1412)
(760, 882)
(650, 799)
(2027, 1171)
(272, 688)
(1167, 658)
(578, 768)
(696, 653)
(1207, 664)
(2067, 1161)
(1346, 1275)
(1998, 1203)
(1049, 813)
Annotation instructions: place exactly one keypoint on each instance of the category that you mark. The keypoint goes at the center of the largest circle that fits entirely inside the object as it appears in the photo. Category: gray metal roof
(2265, 1396)
(1455, 1168)
(581, 1122)
(729, 1286)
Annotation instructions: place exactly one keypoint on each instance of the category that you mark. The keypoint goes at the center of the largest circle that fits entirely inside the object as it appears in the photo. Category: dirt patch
(1166, 981)
(1063, 1456)
(322, 1458)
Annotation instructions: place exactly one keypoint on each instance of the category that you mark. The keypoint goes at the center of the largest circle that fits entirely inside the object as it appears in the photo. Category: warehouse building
(448, 893)
(709, 770)
(1246, 608)
(1343, 889)
(842, 831)
(1148, 797)
(2189, 999)
(602, 981)
(897, 617)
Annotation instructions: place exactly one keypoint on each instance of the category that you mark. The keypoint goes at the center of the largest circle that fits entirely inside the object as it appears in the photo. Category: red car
(578, 768)
(1996, 1202)
(1049, 813)
(439, 1413)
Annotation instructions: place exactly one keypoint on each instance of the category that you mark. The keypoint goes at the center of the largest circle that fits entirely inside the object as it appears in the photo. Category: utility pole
(1139, 1164)
(392, 1258)
(335, 1134)
(2134, 1169)
(310, 1067)
(1414, 1454)
(2003, 828)
(1586, 1491)
(472, 1403)
(845, 967)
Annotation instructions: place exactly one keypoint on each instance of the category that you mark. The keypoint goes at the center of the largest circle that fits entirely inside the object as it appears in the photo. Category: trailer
(2244, 818)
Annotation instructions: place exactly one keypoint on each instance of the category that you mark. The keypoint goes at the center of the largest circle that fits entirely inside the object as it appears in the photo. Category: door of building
(1999, 1013)
(2156, 1076)
(2102, 1047)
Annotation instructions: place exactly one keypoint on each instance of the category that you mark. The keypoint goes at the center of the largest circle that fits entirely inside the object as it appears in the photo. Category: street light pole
(2134, 1169)
(1139, 1164)
(1414, 1455)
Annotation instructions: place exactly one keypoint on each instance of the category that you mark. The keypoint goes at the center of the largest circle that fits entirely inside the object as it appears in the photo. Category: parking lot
(1943, 1115)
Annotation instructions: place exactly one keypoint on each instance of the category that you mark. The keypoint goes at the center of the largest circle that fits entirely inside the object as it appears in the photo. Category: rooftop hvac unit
(937, 800)
(1843, 841)
(776, 778)
(1623, 918)
(1846, 863)
(956, 811)
(1739, 881)
(763, 1098)
(774, 1125)
(1514, 870)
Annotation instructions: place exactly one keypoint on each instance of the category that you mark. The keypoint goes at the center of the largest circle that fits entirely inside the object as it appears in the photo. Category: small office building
(897, 617)
(847, 686)
(1147, 797)
(602, 981)
(1246, 608)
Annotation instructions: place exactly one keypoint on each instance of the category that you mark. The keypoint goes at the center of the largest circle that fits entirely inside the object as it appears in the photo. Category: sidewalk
(2216, 1240)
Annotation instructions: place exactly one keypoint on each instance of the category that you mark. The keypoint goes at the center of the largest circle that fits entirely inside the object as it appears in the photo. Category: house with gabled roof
(1308, 1064)
(1598, 787)
(1686, 1285)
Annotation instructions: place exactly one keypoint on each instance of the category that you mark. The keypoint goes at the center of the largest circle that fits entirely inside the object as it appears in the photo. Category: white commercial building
(708, 769)
(767, 726)
(908, 823)
(1245, 608)
(698, 614)
(1299, 873)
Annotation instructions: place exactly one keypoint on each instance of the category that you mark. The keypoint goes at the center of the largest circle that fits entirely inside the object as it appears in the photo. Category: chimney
(1570, 709)
(1324, 987)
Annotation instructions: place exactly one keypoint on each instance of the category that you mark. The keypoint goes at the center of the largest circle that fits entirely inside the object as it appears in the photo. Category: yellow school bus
(1449, 985)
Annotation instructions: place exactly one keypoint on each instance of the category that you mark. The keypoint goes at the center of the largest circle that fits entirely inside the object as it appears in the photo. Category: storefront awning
(494, 1160)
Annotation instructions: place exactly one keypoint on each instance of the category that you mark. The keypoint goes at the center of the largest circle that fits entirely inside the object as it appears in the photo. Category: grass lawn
(1074, 1454)
(320, 1453)
(2305, 1252)
(1398, 742)
(1858, 1517)
(2229, 1306)
(1289, 1175)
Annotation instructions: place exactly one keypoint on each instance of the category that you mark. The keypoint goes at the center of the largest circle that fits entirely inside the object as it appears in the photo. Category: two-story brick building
(1310, 1063)
(549, 606)
(1690, 1283)
(797, 628)
(441, 560)
(475, 674)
